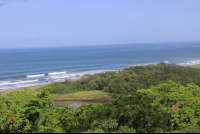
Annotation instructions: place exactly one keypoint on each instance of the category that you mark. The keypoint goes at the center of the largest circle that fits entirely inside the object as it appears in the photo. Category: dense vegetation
(145, 111)
(130, 79)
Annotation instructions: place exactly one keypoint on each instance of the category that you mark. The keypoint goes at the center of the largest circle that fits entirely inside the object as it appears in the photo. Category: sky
(55, 23)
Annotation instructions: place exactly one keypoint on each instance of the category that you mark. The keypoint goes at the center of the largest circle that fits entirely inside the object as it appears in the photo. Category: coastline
(65, 97)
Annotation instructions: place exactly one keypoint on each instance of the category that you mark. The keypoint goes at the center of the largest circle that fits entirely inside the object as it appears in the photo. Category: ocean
(37, 66)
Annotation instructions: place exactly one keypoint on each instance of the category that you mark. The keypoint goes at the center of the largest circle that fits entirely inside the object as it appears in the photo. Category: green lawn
(82, 95)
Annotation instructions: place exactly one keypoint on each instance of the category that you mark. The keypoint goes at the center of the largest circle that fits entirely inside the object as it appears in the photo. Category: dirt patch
(174, 107)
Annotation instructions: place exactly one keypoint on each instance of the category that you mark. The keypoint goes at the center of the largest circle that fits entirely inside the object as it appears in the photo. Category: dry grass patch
(195, 66)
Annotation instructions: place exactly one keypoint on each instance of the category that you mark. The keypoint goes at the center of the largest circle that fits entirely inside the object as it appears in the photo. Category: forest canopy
(144, 111)
(130, 79)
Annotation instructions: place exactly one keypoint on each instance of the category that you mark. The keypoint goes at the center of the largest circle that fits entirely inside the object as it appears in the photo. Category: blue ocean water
(37, 66)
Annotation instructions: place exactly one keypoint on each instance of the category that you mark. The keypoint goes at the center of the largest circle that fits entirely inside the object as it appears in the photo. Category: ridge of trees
(130, 79)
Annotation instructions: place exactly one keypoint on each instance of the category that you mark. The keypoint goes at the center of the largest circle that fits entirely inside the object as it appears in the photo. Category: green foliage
(189, 129)
(169, 94)
(68, 119)
(147, 110)
(107, 126)
(144, 111)
(124, 129)
(21, 112)
(130, 79)
(137, 112)
(48, 122)
(12, 120)
(94, 131)
(66, 87)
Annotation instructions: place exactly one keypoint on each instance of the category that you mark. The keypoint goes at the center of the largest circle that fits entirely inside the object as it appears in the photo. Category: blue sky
(51, 23)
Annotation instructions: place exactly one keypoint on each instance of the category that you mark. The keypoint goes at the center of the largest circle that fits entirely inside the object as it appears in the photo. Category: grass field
(195, 66)
(83, 95)
(96, 94)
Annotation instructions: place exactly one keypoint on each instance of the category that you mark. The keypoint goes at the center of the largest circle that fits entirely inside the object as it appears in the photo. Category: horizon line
(96, 45)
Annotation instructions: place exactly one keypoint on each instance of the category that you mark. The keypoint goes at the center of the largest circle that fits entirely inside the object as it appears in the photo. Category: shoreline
(4, 92)
(192, 66)
(25, 87)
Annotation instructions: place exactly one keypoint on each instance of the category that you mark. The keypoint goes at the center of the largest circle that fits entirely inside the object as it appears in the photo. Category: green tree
(169, 94)
(23, 109)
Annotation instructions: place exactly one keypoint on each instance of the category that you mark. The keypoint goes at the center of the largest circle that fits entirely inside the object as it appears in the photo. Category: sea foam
(191, 62)
(38, 75)
(55, 73)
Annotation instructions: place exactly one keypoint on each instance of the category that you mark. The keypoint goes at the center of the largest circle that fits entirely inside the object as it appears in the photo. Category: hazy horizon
(134, 44)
